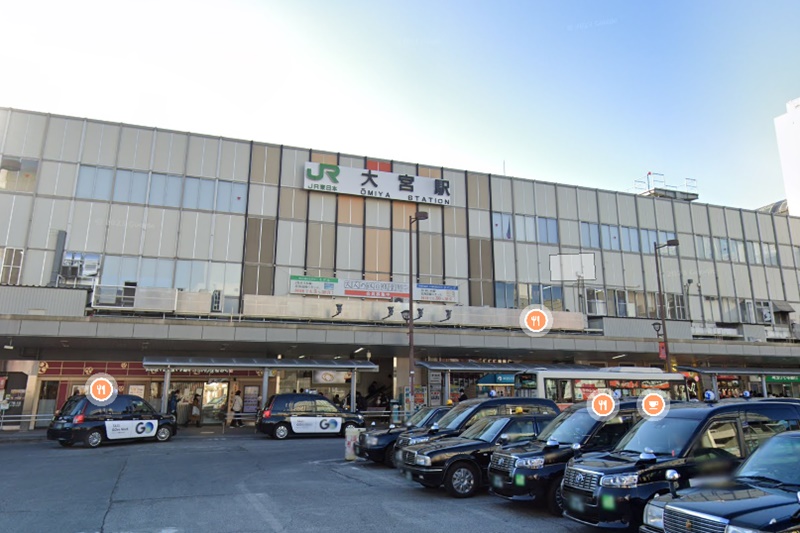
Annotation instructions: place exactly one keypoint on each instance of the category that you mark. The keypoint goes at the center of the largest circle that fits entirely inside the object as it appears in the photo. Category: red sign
(662, 350)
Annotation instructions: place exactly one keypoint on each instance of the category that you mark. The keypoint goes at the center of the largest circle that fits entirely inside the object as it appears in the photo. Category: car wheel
(66, 443)
(94, 438)
(163, 434)
(346, 426)
(388, 456)
(462, 480)
(281, 431)
(555, 500)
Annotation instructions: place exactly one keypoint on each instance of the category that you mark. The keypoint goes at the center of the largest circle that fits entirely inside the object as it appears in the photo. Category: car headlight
(620, 481)
(419, 440)
(654, 516)
(736, 529)
(532, 463)
(371, 441)
(422, 460)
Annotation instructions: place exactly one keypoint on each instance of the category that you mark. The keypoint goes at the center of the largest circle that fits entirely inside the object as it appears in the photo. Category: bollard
(350, 439)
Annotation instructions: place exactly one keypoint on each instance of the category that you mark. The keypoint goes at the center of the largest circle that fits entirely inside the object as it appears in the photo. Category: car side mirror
(672, 476)
(504, 439)
(576, 450)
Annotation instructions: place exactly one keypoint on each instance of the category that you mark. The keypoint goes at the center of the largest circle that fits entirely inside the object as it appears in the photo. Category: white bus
(569, 385)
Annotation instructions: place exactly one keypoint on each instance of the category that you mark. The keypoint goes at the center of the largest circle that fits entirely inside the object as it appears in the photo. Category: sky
(589, 93)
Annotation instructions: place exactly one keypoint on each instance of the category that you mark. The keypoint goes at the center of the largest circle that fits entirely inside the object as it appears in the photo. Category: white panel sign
(376, 184)
(572, 267)
(131, 429)
(313, 424)
(371, 289)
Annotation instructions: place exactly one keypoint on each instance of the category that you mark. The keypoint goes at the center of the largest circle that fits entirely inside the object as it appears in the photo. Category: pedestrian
(462, 396)
(361, 402)
(172, 404)
(194, 415)
(337, 401)
(237, 410)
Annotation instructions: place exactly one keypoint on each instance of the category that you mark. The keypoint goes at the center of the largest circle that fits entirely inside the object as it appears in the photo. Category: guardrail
(22, 422)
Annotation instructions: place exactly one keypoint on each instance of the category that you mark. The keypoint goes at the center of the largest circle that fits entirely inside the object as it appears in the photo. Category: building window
(131, 187)
(630, 239)
(548, 230)
(736, 250)
(165, 190)
(702, 245)
(769, 253)
(649, 237)
(663, 237)
(676, 307)
(753, 253)
(609, 237)
(198, 194)
(596, 302)
(11, 265)
(231, 197)
(590, 235)
(747, 311)
(721, 250)
(763, 312)
(501, 226)
(18, 175)
(504, 295)
(625, 303)
(95, 183)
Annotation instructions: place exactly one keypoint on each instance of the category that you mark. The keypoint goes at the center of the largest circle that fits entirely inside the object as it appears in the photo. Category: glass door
(48, 395)
(214, 403)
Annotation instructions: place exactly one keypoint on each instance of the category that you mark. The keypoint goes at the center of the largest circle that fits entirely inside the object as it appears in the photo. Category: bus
(568, 386)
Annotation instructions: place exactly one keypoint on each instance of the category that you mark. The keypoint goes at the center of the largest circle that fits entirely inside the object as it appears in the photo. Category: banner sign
(386, 290)
(376, 184)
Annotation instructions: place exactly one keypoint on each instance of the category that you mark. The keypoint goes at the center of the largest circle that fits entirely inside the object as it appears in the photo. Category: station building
(213, 263)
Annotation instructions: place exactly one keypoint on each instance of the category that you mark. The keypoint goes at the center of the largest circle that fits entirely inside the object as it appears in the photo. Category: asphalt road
(237, 484)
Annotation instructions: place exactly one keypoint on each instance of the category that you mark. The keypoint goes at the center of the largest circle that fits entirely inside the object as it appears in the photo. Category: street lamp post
(416, 217)
(661, 306)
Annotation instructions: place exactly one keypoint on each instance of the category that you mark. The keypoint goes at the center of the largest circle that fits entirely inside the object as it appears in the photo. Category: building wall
(201, 213)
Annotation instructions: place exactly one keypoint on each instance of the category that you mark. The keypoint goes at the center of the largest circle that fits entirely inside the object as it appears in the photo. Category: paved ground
(239, 482)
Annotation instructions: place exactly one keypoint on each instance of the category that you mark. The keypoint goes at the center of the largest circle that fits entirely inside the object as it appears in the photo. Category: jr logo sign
(332, 171)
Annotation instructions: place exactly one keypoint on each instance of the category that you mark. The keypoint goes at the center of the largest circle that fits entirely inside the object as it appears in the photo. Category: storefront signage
(386, 290)
(783, 379)
(376, 184)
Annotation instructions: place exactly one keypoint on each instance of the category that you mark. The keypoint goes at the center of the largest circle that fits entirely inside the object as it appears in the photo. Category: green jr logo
(330, 170)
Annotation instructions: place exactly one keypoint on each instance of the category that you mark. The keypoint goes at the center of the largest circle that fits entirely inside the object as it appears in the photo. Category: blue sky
(589, 93)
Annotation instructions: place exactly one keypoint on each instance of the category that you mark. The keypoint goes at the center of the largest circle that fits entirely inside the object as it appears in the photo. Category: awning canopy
(741, 371)
(782, 307)
(175, 363)
(488, 368)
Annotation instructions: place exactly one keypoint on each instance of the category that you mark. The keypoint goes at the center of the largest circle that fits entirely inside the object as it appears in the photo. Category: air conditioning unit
(216, 302)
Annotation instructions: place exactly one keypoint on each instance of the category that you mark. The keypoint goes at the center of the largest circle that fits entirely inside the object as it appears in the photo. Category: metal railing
(23, 422)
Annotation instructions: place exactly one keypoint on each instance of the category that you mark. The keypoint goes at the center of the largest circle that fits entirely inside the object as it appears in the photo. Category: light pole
(416, 217)
(662, 310)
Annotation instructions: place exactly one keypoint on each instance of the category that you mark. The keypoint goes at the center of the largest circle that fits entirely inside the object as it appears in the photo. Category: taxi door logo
(328, 423)
(144, 427)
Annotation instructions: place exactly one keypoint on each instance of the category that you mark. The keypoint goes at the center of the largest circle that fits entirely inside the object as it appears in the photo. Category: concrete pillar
(264, 389)
(446, 388)
(165, 390)
(353, 376)
(764, 386)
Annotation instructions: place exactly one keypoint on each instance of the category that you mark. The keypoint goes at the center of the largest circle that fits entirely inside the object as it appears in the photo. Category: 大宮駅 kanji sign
(376, 184)
(371, 289)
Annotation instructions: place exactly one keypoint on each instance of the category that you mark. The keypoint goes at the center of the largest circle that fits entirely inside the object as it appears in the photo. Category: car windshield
(569, 427)
(776, 461)
(457, 415)
(486, 430)
(667, 436)
(417, 418)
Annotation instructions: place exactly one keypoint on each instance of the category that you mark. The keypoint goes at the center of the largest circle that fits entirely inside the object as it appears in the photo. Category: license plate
(576, 503)
(58, 425)
(497, 482)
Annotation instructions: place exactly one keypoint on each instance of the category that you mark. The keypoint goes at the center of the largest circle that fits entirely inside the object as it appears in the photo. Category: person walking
(463, 395)
(172, 404)
(237, 410)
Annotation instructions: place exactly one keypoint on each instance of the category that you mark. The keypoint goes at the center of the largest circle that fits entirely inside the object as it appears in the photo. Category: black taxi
(459, 463)
(535, 470)
(466, 413)
(305, 414)
(127, 418)
(699, 441)
(761, 496)
(378, 444)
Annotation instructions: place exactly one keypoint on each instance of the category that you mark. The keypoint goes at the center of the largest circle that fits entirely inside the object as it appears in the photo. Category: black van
(534, 471)
(467, 413)
(697, 440)
(128, 417)
(304, 414)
